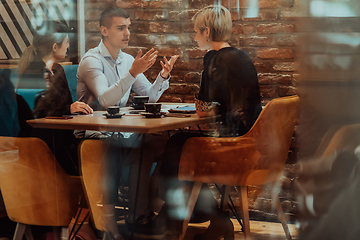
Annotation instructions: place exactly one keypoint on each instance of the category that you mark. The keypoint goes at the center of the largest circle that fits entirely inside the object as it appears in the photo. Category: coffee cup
(153, 107)
(113, 110)
(140, 99)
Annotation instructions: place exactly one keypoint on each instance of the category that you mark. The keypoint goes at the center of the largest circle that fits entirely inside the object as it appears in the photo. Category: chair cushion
(28, 95)
(70, 72)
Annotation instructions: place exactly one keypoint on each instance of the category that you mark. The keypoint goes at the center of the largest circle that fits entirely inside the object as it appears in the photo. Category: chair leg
(192, 200)
(64, 233)
(28, 233)
(56, 231)
(245, 211)
(225, 197)
(282, 217)
(19, 231)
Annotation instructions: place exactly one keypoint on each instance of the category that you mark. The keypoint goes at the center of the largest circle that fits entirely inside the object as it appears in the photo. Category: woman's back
(230, 78)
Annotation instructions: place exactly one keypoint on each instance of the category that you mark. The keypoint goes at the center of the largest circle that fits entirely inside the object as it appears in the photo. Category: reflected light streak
(332, 9)
(253, 9)
(177, 204)
(10, 156)
(351, 39)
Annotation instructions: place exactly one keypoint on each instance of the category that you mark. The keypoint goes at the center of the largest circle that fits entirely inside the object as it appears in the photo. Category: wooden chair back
(255, 158)
(92, 153)
(35, 189)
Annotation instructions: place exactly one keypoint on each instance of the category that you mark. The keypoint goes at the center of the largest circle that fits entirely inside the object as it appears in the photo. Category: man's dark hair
(107, 15)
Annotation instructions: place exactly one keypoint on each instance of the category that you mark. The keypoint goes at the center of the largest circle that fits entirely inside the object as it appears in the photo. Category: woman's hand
(80, 107)
(167, 66)
(206, 114)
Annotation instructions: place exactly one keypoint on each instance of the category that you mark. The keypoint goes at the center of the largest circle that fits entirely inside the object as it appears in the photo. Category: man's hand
(167, 66)
(80, 107)
(143, 63)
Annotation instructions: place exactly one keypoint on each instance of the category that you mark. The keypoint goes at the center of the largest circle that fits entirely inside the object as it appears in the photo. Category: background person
(12, 125)
(229, 78)
(39, 64)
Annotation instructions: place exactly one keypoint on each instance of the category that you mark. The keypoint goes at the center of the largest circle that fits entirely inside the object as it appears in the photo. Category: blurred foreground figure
(329, 186)
(328, 132)
(8, 106)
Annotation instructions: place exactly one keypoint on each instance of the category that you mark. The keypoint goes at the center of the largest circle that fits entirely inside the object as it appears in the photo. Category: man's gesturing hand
(167, 66)
(143, 63)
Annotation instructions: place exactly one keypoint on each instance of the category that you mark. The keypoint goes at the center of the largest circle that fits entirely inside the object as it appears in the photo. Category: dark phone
(48, 117)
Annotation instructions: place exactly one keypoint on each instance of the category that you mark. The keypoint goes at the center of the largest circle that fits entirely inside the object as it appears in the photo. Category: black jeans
(126, 152)
(176, 192)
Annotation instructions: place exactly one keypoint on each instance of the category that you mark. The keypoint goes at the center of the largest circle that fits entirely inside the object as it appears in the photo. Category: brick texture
(243, 28)
(270, 39)
(256, 41)
(151, 15)
(274, 28)
(275, 53)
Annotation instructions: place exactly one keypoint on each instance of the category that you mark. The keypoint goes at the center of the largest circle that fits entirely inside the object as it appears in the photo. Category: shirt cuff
(160, 80)
(164, 79)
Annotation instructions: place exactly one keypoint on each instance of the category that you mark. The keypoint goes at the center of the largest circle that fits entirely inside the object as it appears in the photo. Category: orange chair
(36, 190)
(256, 158)
(92, 154)
(2, 207)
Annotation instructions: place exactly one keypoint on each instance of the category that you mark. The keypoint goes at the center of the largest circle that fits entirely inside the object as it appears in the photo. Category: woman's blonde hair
(218, 19)
(44, 38)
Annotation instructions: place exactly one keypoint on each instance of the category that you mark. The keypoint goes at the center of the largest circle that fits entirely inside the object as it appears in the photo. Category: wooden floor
(258, 230)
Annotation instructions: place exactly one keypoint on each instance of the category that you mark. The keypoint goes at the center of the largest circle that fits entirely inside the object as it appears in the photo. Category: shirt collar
(105, 53)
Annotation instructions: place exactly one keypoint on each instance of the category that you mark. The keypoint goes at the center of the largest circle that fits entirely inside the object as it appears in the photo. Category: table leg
(225, 194)
(137, 184)
(224, 197)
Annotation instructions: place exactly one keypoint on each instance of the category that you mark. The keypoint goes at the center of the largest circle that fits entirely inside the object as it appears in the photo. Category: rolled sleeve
(91, 73)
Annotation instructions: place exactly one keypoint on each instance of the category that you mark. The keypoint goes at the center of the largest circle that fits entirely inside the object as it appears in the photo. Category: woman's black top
(230, 78)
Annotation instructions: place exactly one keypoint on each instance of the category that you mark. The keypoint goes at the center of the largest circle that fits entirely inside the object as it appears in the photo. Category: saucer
(117, 115)
(136, 112)
(152, 115)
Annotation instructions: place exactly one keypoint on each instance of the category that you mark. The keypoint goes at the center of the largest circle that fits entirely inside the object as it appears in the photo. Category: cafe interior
(291, 175)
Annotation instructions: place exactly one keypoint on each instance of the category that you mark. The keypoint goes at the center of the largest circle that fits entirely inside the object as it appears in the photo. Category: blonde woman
(230, 79)
(229, 75)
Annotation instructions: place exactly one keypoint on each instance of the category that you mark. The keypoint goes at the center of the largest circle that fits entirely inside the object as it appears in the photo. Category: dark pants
(64, 146)
(127, 152)
(176, 192)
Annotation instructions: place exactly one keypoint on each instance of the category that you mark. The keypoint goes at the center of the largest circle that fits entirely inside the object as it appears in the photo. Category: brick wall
(270, 39)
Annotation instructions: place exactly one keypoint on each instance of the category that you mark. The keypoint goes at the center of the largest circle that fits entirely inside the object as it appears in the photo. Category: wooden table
(128, 123)
(138, 124)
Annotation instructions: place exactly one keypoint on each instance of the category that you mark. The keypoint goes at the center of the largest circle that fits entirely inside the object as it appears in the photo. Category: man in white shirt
(106, 76)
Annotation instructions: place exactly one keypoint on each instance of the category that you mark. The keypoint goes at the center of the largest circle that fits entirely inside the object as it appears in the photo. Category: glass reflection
(329, 124)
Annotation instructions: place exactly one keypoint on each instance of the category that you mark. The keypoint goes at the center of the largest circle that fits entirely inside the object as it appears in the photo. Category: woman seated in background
(38, 65)
(230, 79)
